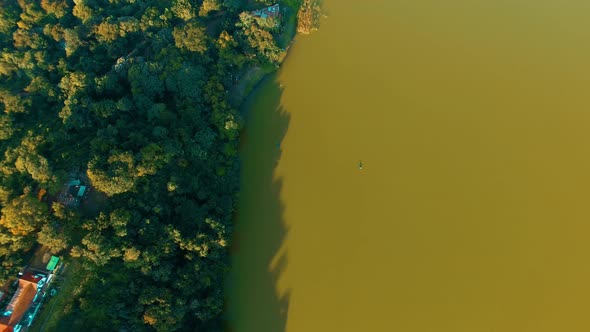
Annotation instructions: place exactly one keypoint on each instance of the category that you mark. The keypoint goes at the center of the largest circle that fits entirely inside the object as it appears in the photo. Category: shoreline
(256, 74)
(302, 17)
(255, 77)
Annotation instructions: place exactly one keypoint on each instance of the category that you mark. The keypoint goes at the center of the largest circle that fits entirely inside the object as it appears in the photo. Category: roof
(272, 11)
(74, 182)
(5, 328)
(73, 190)
(21, 301)
(81, 191)
(52, 263)
(30, 277)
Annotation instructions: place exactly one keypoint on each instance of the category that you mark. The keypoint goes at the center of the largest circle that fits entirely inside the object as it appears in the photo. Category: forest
(134, 97)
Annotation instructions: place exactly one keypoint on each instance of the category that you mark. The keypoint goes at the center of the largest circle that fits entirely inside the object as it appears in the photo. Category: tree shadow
(253, 301)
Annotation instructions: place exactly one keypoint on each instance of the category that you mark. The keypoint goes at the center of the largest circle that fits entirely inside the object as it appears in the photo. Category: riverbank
(250, 263)
(308, 16)
(257, 73)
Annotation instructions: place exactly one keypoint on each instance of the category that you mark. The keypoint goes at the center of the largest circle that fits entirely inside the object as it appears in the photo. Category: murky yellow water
(472, 210)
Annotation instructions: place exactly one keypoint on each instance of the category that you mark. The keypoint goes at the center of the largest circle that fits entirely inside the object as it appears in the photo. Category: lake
(472, 209)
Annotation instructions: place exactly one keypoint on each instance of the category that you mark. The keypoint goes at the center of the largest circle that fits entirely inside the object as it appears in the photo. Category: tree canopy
(133, 95)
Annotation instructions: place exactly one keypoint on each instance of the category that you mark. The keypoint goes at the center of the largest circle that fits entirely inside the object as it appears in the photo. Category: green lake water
(472, 210)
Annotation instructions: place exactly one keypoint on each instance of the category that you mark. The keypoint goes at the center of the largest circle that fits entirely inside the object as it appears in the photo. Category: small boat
(360, 165)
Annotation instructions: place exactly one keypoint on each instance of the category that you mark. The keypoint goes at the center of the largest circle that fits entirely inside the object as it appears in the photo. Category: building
(73, 182)
(81, 191)
(72, 193)
(272, 12)
(25, 303)
(52, 264)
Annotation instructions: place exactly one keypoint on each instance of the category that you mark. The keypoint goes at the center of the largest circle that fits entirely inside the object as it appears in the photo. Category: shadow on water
(253, 303)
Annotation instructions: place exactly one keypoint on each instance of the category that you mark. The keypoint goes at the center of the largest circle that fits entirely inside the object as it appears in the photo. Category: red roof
(28, 276)
(21, 301)
(5, 328)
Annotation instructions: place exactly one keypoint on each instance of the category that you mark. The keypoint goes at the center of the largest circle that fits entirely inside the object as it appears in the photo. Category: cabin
(72, 193)
(23, 307)
(272, 12)
(73, 182)
(81, 191)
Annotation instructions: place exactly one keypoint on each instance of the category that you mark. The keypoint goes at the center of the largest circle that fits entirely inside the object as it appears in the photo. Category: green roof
(52, 263)
(73, 182)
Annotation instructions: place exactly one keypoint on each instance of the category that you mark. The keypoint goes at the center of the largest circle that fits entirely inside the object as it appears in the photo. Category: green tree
(6, 128)
(23, 215)
(82, 11)
(55, 240)
(55, 7)
(190, 36)
(258, 37)
(208, 6)
(8, 16)
(183, 9)
(9, 265)
(114, 177)
(13, 103)
(137, 96)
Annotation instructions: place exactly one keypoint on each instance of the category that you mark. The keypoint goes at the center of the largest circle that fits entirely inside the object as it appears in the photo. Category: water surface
(472, 210)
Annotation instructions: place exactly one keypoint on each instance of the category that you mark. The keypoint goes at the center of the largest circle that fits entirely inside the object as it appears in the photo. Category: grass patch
(249, 81)
(254, 75)
(289, 23)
